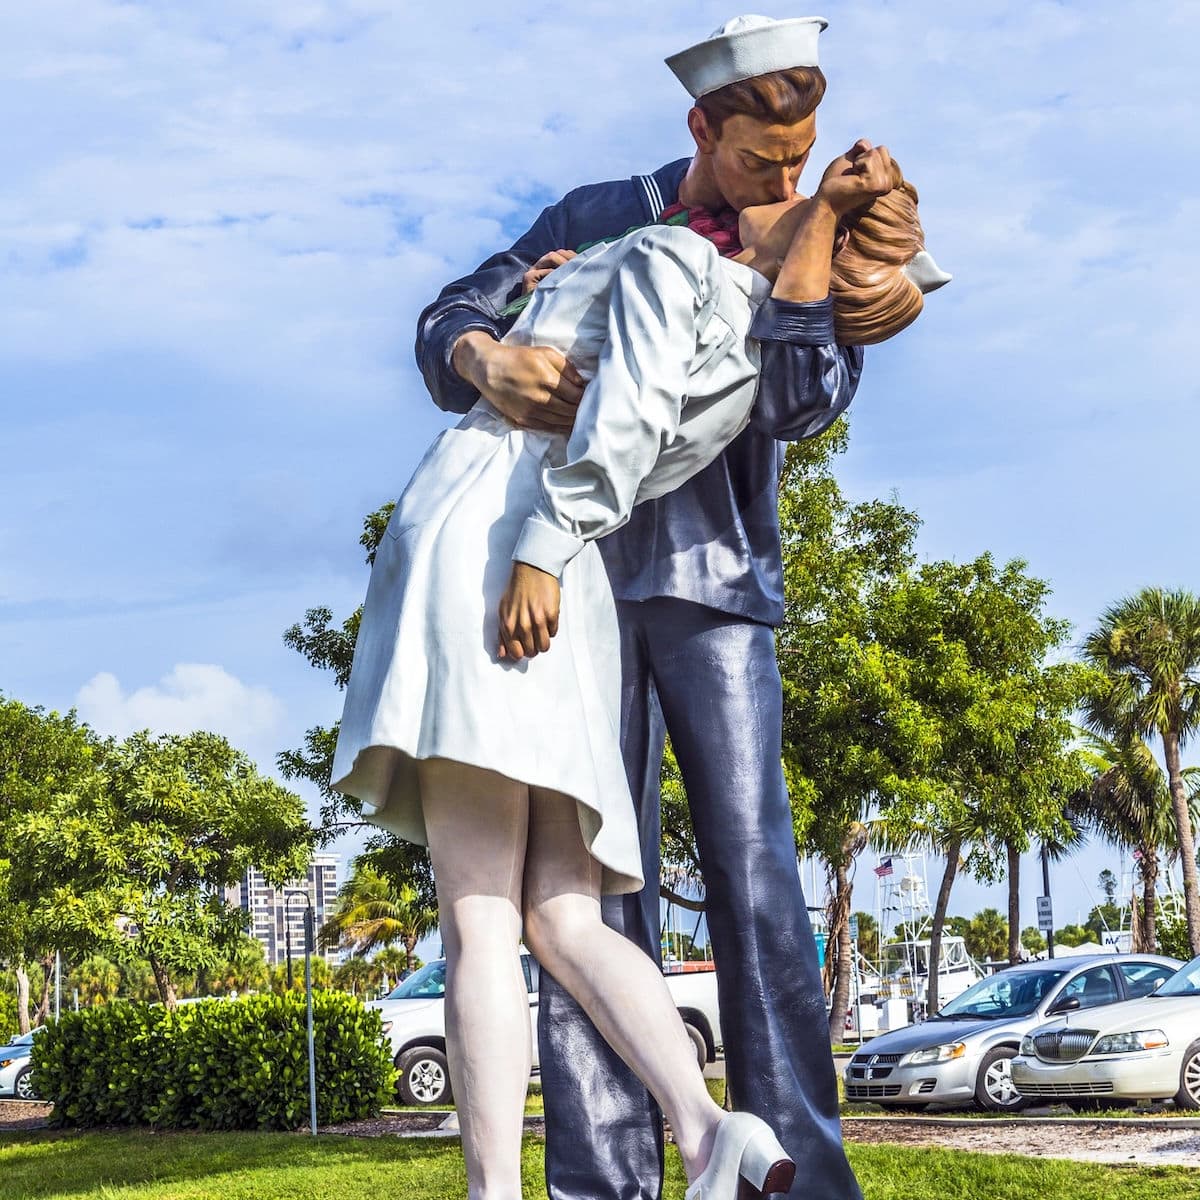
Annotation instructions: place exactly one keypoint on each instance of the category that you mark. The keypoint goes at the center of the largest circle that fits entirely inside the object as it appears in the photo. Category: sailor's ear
(702, 133)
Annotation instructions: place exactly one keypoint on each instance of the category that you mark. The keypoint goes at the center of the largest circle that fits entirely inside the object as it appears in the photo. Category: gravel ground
(23, 1114)
(1139, 1141)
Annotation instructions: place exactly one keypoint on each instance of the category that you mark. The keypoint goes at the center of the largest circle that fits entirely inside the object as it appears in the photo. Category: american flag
(884, 868)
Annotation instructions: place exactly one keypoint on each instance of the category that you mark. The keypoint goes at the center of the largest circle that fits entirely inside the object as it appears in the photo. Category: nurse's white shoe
(747, 1161)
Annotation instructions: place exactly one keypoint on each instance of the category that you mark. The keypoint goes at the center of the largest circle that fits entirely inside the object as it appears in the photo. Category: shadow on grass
(55, 1163)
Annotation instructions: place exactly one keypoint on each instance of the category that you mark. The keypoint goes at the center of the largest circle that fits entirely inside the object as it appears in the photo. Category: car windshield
(429, 983)
(1185, 981)
(1008, 994)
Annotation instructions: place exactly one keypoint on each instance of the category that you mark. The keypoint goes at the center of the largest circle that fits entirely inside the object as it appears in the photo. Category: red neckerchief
(720, 228)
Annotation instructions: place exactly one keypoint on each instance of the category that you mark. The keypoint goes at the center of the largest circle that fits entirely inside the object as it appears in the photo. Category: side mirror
(1070, 1004)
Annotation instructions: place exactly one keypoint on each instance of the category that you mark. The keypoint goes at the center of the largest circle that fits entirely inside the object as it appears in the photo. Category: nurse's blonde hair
(873, 299)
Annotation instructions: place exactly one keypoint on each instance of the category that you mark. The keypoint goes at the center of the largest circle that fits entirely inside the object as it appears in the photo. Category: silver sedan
(962, 1054)
(1144, 1050)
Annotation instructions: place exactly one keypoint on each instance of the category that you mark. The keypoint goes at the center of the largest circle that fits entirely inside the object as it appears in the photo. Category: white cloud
(193, 696)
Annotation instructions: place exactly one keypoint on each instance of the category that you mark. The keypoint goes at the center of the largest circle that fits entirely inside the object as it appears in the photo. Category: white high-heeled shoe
(747, 1161)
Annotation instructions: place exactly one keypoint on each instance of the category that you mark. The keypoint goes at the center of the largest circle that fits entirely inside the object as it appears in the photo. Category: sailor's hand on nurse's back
(854, 179)
(533, 386)
(543, 267)
(528, 612)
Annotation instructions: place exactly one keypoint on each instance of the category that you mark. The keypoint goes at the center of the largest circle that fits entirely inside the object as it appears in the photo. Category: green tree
(987, 936)
(356, 975)
(1148, 646)
(1075, 935)
(372, 912)
(855, 741)
(96, 979)
(868, 936)
(142, 856)
(394, 962)
(1033, 940)
(241, 970)
(322, 975)
(43, 756)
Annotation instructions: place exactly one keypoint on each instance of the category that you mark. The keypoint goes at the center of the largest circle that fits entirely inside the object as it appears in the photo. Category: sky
(218, 222)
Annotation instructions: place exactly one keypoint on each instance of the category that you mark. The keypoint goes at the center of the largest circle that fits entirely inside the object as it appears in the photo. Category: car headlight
(6, 1062)
(935, 1054)
(1127, 1043)
(1027, 1047)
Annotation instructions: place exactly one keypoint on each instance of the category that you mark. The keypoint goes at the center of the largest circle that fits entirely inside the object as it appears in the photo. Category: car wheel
(699, 1043)
(1188, 1095)
(424, 1077)
(994, 1087)
(23, 1085)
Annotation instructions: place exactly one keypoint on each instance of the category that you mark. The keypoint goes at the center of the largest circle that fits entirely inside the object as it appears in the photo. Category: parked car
(1147, 1049)
(414, 1023)
(964, 1052)
(15, 1070)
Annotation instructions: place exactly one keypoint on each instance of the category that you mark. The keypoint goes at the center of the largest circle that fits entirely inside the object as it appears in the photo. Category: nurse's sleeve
(663, 291)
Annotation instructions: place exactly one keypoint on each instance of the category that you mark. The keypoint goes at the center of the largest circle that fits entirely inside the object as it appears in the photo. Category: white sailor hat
(744, 47)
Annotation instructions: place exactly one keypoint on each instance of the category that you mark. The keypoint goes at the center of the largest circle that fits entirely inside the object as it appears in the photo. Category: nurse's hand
(533, 386)
(857, 178)
(528, 612)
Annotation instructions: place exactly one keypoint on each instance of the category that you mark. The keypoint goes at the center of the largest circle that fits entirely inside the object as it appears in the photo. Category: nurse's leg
(621, 988)
(477, 823)
(603, 1128)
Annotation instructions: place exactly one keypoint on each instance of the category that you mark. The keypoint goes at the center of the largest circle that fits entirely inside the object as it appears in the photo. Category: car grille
(927, 1085)
(873, 1066)
(1063, 1045)
(1065, 1089)
(871, 1091)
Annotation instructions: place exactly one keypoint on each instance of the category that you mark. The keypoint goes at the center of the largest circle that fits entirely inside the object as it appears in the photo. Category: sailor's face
(754, 162)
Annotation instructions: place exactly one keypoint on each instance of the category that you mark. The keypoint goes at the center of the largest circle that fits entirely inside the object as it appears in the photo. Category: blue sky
(218, 223)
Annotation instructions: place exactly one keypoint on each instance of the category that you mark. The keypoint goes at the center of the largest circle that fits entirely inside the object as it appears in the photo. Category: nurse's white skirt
(426, 680)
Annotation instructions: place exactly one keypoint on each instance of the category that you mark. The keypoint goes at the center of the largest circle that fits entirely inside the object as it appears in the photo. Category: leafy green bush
(1172, 934)
(218, 1064)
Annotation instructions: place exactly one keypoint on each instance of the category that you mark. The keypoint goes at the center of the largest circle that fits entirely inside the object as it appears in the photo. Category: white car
(415, 1025)
(14, 1066)
(1146, 1049)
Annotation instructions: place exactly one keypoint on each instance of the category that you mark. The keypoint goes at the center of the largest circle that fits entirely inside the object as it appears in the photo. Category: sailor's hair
(873, 299)
(778, 98)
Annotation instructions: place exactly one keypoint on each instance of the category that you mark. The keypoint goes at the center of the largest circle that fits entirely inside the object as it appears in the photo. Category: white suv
(415, 1025)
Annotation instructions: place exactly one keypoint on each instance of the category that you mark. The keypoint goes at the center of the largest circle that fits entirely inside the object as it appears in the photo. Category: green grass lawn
(246, 1166)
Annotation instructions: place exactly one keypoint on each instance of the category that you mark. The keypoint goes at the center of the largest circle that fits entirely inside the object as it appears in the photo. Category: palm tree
(1129, 803)
(372, 912)
(1148, 646)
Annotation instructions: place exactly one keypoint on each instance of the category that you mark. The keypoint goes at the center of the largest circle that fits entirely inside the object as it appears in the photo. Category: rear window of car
(1142, 978)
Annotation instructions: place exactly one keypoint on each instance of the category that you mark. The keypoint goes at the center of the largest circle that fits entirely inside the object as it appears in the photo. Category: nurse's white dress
(658, 323)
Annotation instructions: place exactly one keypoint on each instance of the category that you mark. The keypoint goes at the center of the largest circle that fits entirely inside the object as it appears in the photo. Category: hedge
(216, 1064)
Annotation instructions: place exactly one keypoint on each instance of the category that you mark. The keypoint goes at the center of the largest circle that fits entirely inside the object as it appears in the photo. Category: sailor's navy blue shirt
(714, 541)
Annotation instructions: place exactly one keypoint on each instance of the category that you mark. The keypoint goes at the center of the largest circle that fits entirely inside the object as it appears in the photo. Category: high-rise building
(276, 911)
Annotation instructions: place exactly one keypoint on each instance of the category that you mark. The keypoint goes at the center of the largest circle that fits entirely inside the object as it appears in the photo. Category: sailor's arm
(458, 346)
